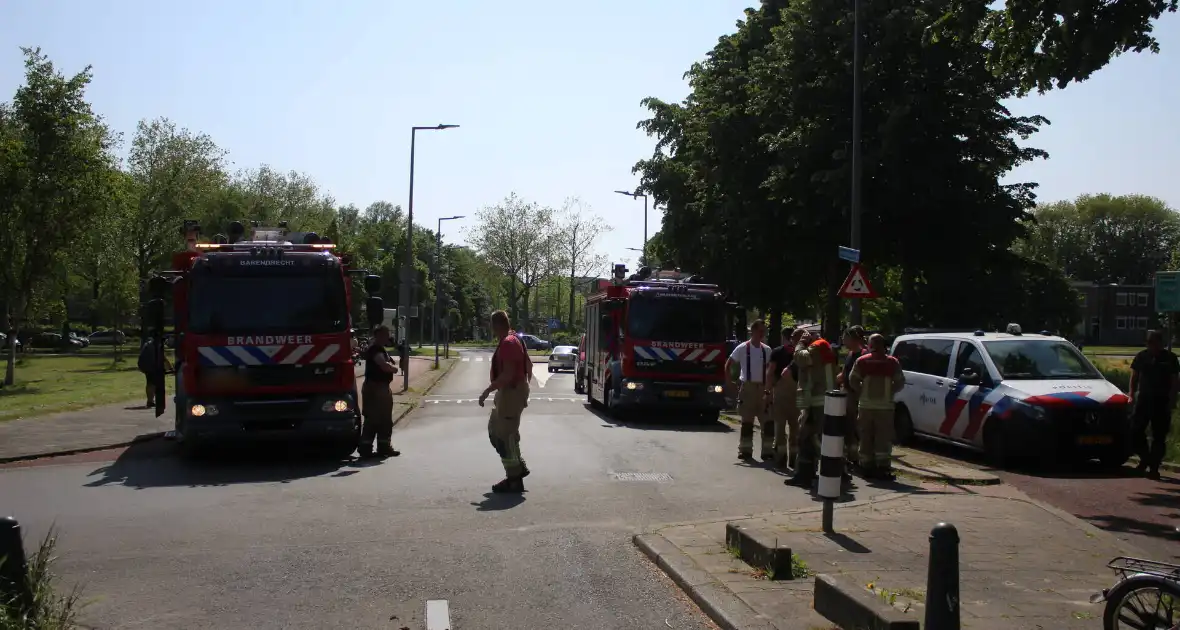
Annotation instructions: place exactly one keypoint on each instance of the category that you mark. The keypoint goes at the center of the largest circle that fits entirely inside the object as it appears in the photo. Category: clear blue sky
(547, 94)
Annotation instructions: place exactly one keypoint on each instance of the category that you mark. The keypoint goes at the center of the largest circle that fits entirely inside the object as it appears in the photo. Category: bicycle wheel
(1143, 603)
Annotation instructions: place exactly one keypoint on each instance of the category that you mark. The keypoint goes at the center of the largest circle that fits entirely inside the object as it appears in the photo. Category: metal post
(14, 583)
(645, 229)
(942, 579)
(409, 264)
(434, 320)
(831, 454)
(854, 210)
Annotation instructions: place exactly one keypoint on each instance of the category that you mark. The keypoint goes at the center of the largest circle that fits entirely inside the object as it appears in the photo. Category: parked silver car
(563, 358)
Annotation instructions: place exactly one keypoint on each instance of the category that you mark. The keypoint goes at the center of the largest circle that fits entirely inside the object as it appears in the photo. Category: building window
(1142, 299)
(1120, 322)
(1141, 322)
(1120, 299)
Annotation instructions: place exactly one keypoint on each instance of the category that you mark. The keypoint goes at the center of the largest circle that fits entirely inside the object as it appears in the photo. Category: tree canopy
(753, 166)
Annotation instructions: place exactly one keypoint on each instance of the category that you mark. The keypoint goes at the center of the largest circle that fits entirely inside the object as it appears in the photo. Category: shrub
(51, 609)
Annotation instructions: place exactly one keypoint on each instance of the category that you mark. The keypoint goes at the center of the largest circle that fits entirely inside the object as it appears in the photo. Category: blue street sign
(554, 323)
(849, 254)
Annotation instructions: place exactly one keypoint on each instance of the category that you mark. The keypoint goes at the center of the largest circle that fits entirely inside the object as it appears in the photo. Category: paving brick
(1020, 564)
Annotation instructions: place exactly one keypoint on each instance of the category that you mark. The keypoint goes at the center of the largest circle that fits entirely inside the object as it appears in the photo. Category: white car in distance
(563, 358)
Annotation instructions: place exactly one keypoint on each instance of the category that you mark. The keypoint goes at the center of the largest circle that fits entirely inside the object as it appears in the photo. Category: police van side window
(970, 358)
(906, 354)
(934, 356)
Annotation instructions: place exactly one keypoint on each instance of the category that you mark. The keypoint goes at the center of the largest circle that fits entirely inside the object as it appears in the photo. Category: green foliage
(755, 160)
(1105, 238)
(1042, 44)
(80, 231)
(52, 608)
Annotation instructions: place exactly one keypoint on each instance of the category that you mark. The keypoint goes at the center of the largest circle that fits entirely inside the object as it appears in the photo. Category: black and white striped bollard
(831, 453)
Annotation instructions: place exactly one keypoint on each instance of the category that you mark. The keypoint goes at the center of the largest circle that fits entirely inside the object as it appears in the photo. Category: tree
(1048, 43)
(178, 174)
(1105, 238)
(512, 236)
(755, 160)
(577, 234)
(57, 156)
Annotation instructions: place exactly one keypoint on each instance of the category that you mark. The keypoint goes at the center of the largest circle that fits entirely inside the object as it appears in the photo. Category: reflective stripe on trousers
(504, 427)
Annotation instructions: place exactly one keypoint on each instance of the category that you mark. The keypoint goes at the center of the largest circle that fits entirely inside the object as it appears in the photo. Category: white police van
(1008, 395)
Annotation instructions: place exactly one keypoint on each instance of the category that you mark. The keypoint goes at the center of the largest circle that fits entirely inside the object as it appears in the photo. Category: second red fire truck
(656, 340)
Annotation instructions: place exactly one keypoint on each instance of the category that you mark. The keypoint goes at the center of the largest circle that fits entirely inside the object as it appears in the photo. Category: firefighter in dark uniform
(377, 398)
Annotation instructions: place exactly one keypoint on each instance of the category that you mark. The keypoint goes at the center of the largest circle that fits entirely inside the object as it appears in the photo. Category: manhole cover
(641, 476)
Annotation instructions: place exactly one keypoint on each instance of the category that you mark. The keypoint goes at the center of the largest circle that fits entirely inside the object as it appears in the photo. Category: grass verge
(67, 383)
(52, 608)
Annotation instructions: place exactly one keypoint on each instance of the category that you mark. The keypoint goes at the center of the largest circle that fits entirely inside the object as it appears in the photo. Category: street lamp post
(636, 196)
(437, 296)
(854, 209)
(407, 269)
(642, 255)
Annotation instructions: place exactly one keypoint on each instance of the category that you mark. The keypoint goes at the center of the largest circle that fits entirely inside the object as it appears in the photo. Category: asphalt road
(283, 543)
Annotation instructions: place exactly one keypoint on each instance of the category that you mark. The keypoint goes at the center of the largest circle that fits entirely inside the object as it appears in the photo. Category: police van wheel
(578, 389)
(995, 446)
(1114, 457)
(903, 426)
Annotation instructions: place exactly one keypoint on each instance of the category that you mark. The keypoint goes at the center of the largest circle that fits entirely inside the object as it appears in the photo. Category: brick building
(1115, 314)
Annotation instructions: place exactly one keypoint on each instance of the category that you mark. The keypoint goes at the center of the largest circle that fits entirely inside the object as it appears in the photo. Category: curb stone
(89, 449)
(722, 606)
(410, 406)
(413, 404)
(851, 606)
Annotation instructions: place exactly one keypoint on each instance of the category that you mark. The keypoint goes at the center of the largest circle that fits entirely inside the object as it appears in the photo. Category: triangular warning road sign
(856, 285)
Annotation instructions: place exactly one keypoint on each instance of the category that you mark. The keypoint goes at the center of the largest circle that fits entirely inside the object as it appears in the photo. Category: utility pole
(408, 268)
(854, 209)
(438, 282)
(636, 196)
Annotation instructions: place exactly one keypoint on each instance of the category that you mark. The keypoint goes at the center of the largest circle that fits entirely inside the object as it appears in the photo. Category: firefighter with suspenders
(753, 395)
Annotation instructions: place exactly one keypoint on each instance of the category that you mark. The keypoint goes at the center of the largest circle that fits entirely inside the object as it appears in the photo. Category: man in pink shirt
(511, 371)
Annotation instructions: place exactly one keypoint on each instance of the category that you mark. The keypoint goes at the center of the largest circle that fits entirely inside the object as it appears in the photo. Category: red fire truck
(656, 339)
(263, 331)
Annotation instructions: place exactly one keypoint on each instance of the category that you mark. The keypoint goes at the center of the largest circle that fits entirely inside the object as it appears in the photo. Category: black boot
(509, 485)
(524, 471)
(387, 450)
(802, 478)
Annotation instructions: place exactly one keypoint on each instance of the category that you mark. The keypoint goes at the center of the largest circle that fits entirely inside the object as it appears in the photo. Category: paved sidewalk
(1023, 565)
(123, 423)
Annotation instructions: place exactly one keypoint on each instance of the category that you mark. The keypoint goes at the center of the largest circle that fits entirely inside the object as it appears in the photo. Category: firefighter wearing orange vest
(876, 378)
(816, 363)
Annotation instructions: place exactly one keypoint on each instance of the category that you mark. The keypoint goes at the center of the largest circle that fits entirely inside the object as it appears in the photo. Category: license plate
(676, 393)
(1095, 439)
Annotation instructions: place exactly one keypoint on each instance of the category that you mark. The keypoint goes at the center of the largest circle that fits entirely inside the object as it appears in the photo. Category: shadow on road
(156, 464)
(658, 421)
(493, 502)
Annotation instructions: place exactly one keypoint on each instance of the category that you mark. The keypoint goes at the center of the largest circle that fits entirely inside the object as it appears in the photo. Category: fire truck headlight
(198, 411)
(633, 385)
(717, 389)
(336, 405)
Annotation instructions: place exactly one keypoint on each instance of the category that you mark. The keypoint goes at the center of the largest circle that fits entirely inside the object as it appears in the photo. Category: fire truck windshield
(674, 318)
(305, 303)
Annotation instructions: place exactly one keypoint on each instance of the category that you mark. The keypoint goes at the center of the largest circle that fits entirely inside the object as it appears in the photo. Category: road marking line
(438, 615)
(466, 359)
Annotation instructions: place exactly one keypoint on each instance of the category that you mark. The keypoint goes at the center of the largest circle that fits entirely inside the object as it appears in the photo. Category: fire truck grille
(676, 367)
(243, 377)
